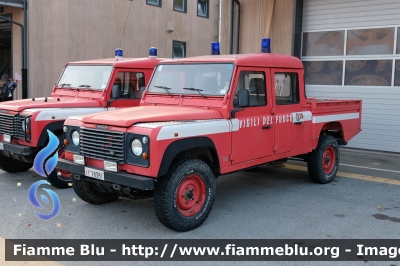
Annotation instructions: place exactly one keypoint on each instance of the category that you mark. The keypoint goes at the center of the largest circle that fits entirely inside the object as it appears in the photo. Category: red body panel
(128, 117)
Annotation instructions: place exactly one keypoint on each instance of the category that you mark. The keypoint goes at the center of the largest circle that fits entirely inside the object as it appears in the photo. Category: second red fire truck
(84, 87)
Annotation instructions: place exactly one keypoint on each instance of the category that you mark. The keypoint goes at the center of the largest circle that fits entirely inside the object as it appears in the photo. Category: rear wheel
(184, 197)
(323, 163)
(60, 178)
(92, 193)
(11, 165)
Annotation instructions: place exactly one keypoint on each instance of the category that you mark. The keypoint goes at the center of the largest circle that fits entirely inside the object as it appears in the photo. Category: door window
(129, 84)
(254, 82)
(286, 88)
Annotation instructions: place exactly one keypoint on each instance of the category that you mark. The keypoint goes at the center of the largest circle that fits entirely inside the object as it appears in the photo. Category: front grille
(7, 124)
(19, 133)
(102, 144)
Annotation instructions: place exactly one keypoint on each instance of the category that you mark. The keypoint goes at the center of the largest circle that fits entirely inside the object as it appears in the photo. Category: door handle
(266, 127)
(298, 123)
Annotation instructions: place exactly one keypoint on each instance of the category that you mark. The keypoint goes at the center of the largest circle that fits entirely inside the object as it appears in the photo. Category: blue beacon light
(118, 54)
(215, 48)
(265, 45)
(153, 52)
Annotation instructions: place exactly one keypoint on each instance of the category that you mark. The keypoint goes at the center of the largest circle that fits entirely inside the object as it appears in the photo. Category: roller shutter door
(351, 49)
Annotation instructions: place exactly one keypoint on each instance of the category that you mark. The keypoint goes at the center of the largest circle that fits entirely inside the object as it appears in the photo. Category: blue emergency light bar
(118, 53)
(153, 52)
(265, 45)
(215, 48)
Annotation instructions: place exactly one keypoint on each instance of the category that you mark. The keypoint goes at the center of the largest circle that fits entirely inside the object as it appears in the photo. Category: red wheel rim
(191, 195)
(63, 173)
(329, 160)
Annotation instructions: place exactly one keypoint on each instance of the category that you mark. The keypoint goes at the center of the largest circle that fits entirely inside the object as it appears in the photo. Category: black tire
(57, 179)
(183, 177)
(321, 167)
(11, 165)
(91, 193)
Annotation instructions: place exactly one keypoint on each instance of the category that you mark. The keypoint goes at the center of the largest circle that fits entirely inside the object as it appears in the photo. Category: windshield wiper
(194, 89)
(165, 88)
(85, 86)
(64, 84)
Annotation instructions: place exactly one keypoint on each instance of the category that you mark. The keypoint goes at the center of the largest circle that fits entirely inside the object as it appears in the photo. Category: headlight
(137, 147)
(25, 123)
(75, 138)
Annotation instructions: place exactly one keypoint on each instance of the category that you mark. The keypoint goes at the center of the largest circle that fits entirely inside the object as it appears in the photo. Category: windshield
(199, 79)
(90, 77)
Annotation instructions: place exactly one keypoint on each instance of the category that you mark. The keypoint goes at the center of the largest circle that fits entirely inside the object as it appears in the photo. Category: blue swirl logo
(46, 159)
(44, 163)
(32, 197)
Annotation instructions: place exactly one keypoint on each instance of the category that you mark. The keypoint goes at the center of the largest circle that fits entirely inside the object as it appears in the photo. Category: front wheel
(323, 163)
(11, 165)
(184, 197)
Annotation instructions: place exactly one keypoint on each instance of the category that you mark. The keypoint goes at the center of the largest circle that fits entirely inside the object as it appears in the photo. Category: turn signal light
(145, 155)
(27, 131)
(66, 142)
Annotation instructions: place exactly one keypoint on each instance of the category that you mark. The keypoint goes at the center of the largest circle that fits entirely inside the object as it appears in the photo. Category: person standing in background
(7, 88)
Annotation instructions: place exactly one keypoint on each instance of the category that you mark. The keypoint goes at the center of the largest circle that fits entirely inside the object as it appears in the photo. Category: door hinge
(273, 111)
(231, 157)
(275, 148)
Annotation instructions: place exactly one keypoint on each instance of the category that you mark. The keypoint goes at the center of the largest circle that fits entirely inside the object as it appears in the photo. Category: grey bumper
(17, 149)
(124, 179)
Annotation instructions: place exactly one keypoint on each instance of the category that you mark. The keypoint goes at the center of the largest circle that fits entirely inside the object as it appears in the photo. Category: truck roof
(145, 62)
(251, 60)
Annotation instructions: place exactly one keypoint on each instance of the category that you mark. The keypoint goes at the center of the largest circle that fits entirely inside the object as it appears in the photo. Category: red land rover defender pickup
(200, 118)
(85, 87)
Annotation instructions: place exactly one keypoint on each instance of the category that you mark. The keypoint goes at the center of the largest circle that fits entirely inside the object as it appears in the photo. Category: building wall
(16, 56)
(70, 30)
(372, 62)
(253, 23)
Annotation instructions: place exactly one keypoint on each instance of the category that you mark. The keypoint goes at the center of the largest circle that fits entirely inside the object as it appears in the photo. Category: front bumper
(16, 149)
(124, 179)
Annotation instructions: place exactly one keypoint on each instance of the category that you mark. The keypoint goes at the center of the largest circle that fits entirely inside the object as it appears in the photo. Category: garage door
(351, 49)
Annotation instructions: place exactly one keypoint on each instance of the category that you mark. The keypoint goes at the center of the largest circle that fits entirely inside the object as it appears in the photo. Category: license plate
(1, 146)
(93, 173)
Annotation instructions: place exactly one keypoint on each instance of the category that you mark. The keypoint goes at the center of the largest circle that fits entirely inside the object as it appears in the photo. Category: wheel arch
(196, 147)
(334, 129)
(55, 127)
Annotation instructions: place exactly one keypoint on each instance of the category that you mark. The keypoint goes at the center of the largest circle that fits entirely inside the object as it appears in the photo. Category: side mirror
(115, 93)
(243, 96)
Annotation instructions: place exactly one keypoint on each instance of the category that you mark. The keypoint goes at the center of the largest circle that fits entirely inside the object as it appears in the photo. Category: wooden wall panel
(253, 22)
(55, 43)
(36, 69)
(282, 27)
(224, 38)
(70, 30)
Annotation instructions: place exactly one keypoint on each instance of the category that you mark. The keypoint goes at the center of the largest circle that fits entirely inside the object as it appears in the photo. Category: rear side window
(254, 82)
(286, 88)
